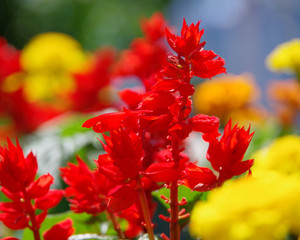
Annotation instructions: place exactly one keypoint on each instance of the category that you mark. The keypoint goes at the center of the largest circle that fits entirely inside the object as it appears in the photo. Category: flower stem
(116, 226)
(174, 206)
(145, 209)
(34, 228)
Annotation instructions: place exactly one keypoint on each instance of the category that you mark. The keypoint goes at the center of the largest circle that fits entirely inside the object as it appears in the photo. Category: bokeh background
(243, 32)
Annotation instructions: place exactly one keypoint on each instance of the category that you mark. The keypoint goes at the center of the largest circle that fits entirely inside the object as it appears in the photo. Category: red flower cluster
(226, 157)
(145, 143)
(188, 45)
(27, 195)
(92, 91)
(25, 116)
(86, 189)
(147, 54)
(94, 192)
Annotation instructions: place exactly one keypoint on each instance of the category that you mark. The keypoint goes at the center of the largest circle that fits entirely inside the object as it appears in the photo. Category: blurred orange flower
(285, 97)
(231, 96)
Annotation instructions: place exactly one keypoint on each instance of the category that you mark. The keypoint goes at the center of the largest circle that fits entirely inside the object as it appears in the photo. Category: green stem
(145, 209)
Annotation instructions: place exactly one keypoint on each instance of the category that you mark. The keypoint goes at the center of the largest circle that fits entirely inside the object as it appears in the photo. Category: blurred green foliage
(93, 23)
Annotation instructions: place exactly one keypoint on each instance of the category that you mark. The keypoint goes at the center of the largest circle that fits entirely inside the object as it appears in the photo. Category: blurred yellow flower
(264, 208)
(285, 57)
(228, 97)
(281, 156)
(48, 60)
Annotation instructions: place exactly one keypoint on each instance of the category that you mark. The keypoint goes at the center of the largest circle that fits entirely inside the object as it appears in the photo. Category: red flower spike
(154, 28)
(226, 154)
(16, 171)
(90, 93)
(26, 194)
(207, 125)
(106, 167)
(87, 189)
(60, 231)
(142, 59)
(188, 42)
(126, 150)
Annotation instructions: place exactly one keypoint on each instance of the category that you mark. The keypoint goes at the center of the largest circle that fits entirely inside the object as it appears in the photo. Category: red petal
(200, 178)
(52, 198)
(122, 198)
(60, 231)
(105, 122)
(162, 172)
(131, 98)
(40, 187)
(14, 221)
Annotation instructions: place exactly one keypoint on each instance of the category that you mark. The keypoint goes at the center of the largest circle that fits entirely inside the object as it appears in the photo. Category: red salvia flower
(226, 155)
(188, 42)
(125, 151)
(154, 28)
(86, 189)
(204, 63)
(92, 86)
(207, 125)
(17, 174)
(146, 55)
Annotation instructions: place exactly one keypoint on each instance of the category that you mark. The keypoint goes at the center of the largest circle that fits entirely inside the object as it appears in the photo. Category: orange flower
(232, 96)
(285, 98)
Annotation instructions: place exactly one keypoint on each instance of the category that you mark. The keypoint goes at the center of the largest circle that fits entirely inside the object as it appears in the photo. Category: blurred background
(243, 32)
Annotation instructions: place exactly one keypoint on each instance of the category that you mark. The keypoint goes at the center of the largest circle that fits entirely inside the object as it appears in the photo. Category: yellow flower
(48, 60)
(281, 156)
(264, 208)
(285, 57)
(228, 97)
